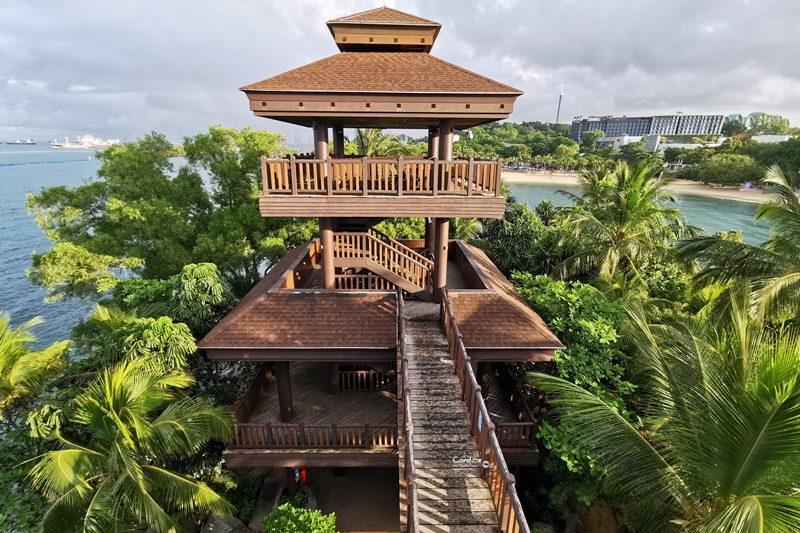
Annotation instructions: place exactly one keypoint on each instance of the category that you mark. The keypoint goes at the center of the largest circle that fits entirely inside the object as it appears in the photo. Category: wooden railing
(363, 282)
(314, 436)
(516, 434)
(363, 380)
(410, 471)
(501, 481)
(402, 248)
(364, 246)
(381, 176)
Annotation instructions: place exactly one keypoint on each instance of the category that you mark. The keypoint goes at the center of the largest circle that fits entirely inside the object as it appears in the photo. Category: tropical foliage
(108, 469)
(620, 219)
(720, 408)
(773, 267)
(290, 518)
(24, 372)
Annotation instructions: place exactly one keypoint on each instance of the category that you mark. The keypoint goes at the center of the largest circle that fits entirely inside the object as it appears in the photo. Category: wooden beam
(328, 265)
(319, 458)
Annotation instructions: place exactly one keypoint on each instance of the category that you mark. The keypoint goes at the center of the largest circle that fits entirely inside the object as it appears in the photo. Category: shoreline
(678, 187)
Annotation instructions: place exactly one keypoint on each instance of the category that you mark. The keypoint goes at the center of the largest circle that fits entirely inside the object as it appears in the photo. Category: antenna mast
(560, 95)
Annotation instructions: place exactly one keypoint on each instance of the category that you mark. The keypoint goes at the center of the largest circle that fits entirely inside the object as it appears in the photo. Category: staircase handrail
(382, 243)
(412, 510)
(402, 247)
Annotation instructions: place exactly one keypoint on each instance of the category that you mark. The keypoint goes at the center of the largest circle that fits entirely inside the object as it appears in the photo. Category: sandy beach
(694, 188)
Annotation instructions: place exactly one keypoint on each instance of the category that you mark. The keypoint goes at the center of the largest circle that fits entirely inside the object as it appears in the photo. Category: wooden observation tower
(376, 351)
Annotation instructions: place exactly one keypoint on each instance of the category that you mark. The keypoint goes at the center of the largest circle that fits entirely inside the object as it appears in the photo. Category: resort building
(379, 352)
(676, 124)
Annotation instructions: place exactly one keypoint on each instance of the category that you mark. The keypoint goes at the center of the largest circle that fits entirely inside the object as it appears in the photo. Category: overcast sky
(121, 68)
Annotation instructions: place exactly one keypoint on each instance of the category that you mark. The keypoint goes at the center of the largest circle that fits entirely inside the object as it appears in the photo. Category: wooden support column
(328, 265)
(320, 138)
(484, 374)
(333, 379)
(446, 132)
(284, 391)
(440, 257)
(338, 141)
(430, 235)
(433, 142)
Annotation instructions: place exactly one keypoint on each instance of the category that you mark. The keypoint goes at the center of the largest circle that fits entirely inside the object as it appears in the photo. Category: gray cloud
(123, 68)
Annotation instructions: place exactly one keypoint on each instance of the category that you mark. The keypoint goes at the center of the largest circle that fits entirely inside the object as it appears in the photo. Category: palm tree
(620, 219)
(465, 229)
(23, 372)
(109, 472)
(773, 267)
(372, 141)
(717, 447)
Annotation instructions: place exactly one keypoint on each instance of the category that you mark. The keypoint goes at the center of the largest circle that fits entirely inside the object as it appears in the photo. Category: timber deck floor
(453, 496)
(313, 405)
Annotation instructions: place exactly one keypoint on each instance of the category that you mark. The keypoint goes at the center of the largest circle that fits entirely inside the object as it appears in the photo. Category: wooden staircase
(387, 258)
(452, 494)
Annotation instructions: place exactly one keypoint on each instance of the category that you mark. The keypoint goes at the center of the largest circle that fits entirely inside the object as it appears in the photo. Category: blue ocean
(29, 169)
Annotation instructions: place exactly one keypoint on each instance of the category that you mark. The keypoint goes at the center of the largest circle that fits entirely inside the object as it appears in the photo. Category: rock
(541, 527)
(223, 525)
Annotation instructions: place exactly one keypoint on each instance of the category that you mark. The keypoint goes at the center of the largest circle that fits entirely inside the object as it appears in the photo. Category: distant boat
(85, 141)
(18, 141)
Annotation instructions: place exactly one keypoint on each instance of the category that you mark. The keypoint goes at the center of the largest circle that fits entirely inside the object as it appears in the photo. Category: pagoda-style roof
(384, 29)
(383, 77)
(382, 72)
(383, 15)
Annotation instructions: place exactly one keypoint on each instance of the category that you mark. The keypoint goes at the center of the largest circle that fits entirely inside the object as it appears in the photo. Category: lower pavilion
(379, 352)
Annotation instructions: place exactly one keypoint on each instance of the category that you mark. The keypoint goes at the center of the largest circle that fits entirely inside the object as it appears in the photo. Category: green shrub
(289, 519)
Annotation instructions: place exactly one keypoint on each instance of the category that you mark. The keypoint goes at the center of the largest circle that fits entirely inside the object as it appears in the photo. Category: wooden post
(400, 176)
(333, 379)
(430, 235)
(338, 141)
(284, 391)
(484, 375)
(328, 262)
(320, 138)
(264, 180)
(446, 132)
(440, 257)
(293, 174)
(433, 142)
(470, 176)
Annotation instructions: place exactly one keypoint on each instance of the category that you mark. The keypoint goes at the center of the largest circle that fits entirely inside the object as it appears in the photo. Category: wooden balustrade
(404, 392)
(501, 481)
(381, 176)
(402, 248)
(516, 434)
(363, 282)
(363, 380)
(367, 247)
(314, 436)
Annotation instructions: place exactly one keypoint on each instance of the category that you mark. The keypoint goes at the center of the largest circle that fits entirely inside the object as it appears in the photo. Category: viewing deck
(382, 187)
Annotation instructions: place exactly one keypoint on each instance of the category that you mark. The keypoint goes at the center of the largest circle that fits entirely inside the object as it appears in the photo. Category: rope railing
(501, 481)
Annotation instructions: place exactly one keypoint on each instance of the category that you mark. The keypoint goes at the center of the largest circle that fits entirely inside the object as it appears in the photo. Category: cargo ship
(86, 142)
(18, 141)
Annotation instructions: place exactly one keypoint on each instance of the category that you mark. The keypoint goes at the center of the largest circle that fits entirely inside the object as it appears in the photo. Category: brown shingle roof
(383, 15)
(500, 318)
(294, 319)
(381, 72)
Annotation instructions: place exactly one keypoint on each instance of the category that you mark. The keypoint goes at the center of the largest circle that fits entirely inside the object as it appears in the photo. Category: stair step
(457, 528)
(450, 493)
(462, 483)
(459, 519)
(446, 507)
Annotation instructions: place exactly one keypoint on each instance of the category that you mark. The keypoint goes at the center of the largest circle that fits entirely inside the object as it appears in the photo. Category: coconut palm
(108, 469)
(620, 219)
(372, 141)
(717, 447)
(773, 267)
(465, 229)
(23, 372)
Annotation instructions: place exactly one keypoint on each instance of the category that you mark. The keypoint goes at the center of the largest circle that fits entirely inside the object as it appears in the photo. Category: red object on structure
(302, 475)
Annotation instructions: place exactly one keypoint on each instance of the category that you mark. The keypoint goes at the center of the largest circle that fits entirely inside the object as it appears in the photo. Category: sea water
(29, 169)
(709, 214)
